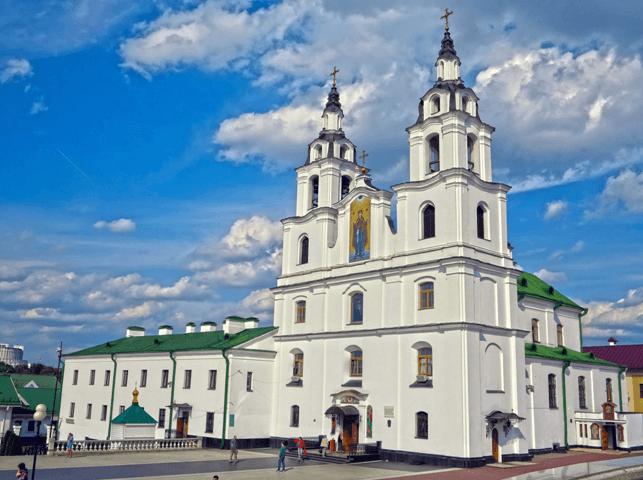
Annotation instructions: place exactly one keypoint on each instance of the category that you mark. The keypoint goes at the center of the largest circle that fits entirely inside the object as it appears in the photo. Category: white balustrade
(104, 446)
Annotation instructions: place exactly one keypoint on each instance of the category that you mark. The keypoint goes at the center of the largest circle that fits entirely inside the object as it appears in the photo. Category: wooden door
(494, 445)
(355, 435)
(186, 417)
(604, 440)
(179, 427)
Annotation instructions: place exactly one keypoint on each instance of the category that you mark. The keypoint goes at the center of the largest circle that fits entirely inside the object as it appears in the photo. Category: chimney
(165, 330)
(208, 327)
(135, 331)
(234, 324)
(612, 341)
(190, 327)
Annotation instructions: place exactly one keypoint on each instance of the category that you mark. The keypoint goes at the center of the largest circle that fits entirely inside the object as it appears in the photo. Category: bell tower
(448, 132)
(331, 168)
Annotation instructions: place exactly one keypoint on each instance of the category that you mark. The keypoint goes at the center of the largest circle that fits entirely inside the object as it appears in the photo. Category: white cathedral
(417, 334)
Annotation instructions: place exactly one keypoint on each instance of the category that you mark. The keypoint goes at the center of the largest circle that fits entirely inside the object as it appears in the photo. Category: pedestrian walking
(70, 445)
(22, 473)
(216, 477)
(234, 449)
(301, 447)
(282, 458)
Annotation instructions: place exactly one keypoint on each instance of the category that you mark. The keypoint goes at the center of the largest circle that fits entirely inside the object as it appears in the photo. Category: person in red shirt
(301, 448)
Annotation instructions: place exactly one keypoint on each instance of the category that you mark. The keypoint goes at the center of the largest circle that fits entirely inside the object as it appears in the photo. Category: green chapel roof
(8, 394)
(217, 340)
(21, 380)
(564, 354)
(37, 396)
(530, 285)
(134, 414)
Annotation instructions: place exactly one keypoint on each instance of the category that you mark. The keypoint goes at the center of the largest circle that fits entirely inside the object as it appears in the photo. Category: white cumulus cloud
(144, 310)
(624, 190)
(15, 69)
(259, 301)
(550, 277)
(122, 225)
(38, 106)
(555, 209)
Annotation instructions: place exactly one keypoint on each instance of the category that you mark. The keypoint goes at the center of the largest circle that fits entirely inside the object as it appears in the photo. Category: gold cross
(446, 17)
(363, 157)
(335, 72)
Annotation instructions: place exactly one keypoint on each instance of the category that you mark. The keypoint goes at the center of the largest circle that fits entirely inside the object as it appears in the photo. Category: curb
(613, 474)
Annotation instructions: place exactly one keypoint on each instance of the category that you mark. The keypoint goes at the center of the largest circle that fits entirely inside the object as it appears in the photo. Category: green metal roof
(36, 396)
(138, 329)
(563, 354)
(167, 326)
(8, 394)
(43, 381)
(179, 342)
(531, 286)
(190, 324)
(208, 323)
(134, 414)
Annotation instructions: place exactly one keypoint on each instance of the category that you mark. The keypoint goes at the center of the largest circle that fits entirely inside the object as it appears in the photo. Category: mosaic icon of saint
(360, 235)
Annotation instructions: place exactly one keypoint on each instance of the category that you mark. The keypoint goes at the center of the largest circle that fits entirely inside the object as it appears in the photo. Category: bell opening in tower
(314, 198)
(346, 185)
(434, 154)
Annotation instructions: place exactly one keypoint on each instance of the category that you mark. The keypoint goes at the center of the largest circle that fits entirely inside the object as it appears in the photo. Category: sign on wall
(389, 412)
(232, 420)
(360, 239)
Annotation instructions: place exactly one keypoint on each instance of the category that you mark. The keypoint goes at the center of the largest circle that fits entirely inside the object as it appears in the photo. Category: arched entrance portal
(494, 445)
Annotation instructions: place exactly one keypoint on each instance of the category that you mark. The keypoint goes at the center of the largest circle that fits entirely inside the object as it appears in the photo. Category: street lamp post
(39, 416)
(53, 413)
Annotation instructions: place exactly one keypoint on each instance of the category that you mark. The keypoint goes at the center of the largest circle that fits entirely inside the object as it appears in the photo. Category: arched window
(534, 331)
(608, 389)
(298, 365)
(426, 295)
(356, 363)
(301, 312)
(582, 399)
(357, 308)
(493, 368)
(343, 152)
(421, 425)
(465, 101)
(428, 222)
(434, 149)
(303, 255)
(294, 416)
(318, 151)
(435, 104)
(425, 361)
(314, 192)
(346, 185)
(473, 155)
(552, 390)
(559, 335)
(470, 153)
(480, 215)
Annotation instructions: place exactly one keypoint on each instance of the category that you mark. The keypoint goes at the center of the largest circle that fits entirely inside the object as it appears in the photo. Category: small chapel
(411, 334)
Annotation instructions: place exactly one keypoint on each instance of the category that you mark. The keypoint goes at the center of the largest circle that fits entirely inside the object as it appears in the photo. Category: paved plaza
(261, 464)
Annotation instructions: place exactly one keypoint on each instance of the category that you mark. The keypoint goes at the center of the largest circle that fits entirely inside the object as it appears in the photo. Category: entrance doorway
(350, 434)
(494, 445)
(182, 425)
(604, 439)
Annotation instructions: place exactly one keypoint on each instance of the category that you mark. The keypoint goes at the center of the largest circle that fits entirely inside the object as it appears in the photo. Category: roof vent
(551, 290)
(190, 327)
(612, 341)
(165, 330)
(591, 355)
(108, 344)
(135, 331)
(156, 341)
(523, 282)
(533, 347)
(564, 351)
(234, 324)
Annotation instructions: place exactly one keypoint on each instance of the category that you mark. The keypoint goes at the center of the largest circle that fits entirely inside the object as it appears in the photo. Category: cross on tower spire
(446, 17)
(335, 72)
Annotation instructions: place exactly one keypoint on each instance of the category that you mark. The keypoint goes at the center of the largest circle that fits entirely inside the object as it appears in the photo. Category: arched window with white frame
(298, 364)
(346, 185)
(426, 295)
(428, 222)
(433, 154)
(303, 250)
(481, 216)
(421, 425)
(300, 315)
(314, 192)
(535, 338)
(357, 308)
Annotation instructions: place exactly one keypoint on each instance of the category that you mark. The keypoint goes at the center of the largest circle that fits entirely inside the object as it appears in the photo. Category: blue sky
(148, 148)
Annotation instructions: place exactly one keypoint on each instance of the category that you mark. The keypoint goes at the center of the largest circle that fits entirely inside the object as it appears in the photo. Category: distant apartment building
(12, 355)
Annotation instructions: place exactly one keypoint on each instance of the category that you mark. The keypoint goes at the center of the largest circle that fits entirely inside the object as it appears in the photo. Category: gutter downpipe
(225, 397)
(565, 365)
(620, 394)
(111, 405)
(172, 389)
(580, 327)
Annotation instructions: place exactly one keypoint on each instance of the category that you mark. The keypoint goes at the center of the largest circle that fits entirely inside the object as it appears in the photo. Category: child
(282, 458)
(22, 473)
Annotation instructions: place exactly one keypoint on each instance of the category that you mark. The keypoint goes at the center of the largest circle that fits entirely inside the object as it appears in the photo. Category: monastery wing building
(418, 336)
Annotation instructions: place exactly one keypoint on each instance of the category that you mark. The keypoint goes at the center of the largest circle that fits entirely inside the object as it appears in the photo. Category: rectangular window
(121, 409)
(89, 411)
(75, 379)
(209, 422)
(161, 423)
(72, 409)
(143, 378)
(103, 413)
(581, 430)
(425, 361)
(301, 312)
(187, 381)
(298, 368)
(249, 382)
(641, 390)
(124, 380)
(212, 384)
(426, 295)
(552, 391)
(294, 416)
(31, 426)
(165, 378)
(92, 376)
(107, 375)
(356, 363)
